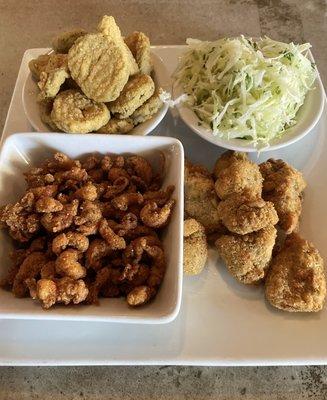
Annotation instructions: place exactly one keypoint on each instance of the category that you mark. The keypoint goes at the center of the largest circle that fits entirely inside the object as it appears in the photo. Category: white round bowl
(307, 117)
(31, 107)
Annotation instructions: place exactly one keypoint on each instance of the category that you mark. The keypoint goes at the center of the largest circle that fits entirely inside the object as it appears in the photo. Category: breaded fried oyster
(296, 280)
(137, 90)
(235, 173)
(247, 257)
(74, 112)
(244, 213)
(195, 247)
(200, 200)
(283, 185)
(99, 66)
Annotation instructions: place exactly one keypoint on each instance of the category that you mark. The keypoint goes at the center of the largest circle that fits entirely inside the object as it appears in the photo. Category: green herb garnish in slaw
(245, 88)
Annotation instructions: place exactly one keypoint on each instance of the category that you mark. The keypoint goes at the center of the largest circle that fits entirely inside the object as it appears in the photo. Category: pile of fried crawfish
(89, 228)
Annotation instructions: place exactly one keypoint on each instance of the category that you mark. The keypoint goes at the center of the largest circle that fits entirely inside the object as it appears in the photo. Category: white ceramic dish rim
(55, 314)
(191, 120)
(32, 113)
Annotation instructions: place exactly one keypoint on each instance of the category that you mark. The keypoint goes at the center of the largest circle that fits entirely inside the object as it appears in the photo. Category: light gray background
(27, 24)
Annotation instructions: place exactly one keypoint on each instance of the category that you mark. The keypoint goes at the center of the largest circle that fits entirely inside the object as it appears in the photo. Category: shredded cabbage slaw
(245, 88)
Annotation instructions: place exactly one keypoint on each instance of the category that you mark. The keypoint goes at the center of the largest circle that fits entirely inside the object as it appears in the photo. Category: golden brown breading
(99, 66)
(64, 41)
(108, 27)
(117, 126)
(226, 159)
(50, 82)
(148, 109)
(200, 198)
(47, 63)
(45, 114)
(195, 247)
(73, 112)
(137, 90)
(244, 213)
(296, 280)
(247, 257)
(236, 173)
(37, 65)
(139, 45)
(283, 186)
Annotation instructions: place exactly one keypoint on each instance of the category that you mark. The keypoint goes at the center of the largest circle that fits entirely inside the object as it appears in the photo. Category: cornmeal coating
(137, 90)
(73, 112)
(200, 199)
(235, 174)
(283, 185)
(148, 109)
(37, 65)
(47, 63)
(50, 83)
(139, 45)
(64, 41)
(108, 27)
(247, 257)
(296, 279)
(244, 213)
(99, 66)
(117, 126)
(45, 113)
(195, 247)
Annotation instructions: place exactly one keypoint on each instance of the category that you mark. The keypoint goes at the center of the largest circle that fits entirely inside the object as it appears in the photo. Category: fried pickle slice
(139, 45)
(64, 41)
(137, 90)
(73, 112)
(99, 66)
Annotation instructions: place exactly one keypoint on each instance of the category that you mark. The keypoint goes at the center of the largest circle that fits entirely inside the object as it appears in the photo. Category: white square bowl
(23, 150)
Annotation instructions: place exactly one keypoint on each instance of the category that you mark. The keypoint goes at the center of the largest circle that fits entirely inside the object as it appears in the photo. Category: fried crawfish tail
(67, 265)
(70, 239)
(154, 216)
(52, 291)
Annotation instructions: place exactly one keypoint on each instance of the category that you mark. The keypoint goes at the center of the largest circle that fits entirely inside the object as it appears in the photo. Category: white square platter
(221, 322)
